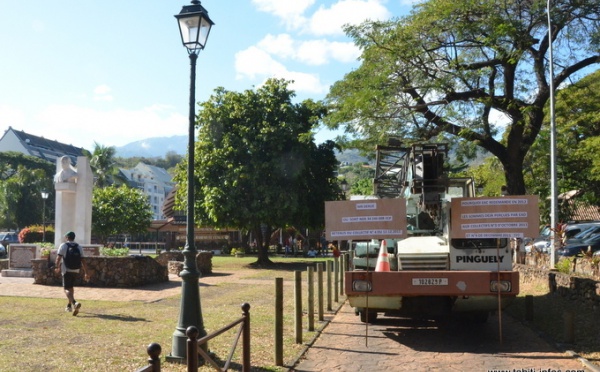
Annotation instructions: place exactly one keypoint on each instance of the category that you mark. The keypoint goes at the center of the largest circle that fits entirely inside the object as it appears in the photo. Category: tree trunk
(262, 242)
(513, 173)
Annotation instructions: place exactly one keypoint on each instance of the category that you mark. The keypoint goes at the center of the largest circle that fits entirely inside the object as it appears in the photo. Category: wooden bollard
(192, 348)
(279, 321)
(329, 264)
(342, 273)
(320, 292)
(298, 303)
(336, 278)
(311, 299)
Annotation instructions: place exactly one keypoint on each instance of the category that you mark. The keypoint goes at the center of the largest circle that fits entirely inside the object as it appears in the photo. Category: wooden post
(342, 273)
(298, 302)
(279, 321)
(336, 278)
(329, 263)
(311, 299)
(246, 363)
(320, 292)
(192, 348)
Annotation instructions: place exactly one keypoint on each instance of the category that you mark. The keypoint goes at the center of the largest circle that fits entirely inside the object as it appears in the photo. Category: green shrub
(35, 233)
(236, 250)
(564, 265)
(114, 252)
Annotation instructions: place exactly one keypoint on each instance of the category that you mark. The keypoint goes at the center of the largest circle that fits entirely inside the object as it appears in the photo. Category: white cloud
(255, 63)
(282, 45)
(329, 21)
(311, 52)
(11, 117)
(82, 126)
(270, 57)
(320, 52)
(289, 11)
(102, 93)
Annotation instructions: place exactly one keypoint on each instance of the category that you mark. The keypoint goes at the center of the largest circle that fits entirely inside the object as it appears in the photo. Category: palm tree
(103, 165)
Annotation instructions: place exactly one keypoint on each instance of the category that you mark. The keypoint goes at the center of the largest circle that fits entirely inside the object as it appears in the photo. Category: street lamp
(44, 197)
(344, 185)
(194, 26)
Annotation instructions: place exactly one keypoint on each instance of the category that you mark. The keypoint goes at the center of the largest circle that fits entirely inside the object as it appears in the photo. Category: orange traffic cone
(383, 263)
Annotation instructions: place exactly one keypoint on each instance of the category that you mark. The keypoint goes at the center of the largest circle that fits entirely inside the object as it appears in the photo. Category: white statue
(67, 173)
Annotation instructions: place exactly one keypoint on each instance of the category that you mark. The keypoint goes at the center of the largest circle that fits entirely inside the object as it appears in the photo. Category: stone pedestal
(19, 260)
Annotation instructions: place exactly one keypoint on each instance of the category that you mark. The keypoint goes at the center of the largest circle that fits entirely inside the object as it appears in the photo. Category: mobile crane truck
(451, 251)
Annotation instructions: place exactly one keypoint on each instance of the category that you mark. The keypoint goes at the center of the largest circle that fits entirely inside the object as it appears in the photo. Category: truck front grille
(423, 262)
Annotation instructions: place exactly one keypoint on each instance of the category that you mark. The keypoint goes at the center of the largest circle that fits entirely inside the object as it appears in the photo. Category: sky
(113, 72)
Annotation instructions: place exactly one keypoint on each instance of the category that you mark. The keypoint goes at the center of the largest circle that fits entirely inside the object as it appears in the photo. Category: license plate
(430, 281)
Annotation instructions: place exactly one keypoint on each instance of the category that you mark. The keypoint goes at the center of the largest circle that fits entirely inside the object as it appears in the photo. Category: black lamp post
(44, 197)
(194, 26)
(344, 185)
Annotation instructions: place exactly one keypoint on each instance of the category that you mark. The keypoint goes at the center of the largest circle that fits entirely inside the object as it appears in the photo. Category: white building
(155, 182)
(40, 147)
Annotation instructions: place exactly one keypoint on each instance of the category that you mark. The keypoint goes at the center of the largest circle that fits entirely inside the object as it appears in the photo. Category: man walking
(69, 260)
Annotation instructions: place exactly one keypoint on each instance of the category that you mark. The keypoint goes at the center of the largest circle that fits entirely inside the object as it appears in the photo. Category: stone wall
(126, 272)
(582, 285)
(174, 261)
(106, 272)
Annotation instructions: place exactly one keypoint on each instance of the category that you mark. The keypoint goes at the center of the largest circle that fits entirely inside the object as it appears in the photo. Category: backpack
(73, 256)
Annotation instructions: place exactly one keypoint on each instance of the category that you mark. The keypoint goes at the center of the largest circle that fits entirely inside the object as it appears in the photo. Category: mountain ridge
(158, 147)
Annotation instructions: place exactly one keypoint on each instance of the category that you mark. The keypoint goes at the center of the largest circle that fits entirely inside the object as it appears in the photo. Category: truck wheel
(372, 316)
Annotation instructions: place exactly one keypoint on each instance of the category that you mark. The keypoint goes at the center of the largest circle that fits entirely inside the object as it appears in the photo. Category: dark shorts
(69, 279)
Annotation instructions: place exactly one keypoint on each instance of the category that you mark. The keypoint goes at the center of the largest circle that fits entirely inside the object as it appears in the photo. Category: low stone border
(126, 272)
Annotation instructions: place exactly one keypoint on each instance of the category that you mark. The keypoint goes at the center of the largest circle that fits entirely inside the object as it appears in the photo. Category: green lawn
(113, 335)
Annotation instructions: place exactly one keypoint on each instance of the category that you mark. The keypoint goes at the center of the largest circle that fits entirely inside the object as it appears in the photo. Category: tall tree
(578, 136)
(20, 197)
(117, 210)
(22, 178)
(257, 166)
(452, 66)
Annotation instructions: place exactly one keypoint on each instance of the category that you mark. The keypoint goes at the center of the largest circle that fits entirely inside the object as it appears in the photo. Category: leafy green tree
(452, 66)
(257, 166)
(577, 117)
(486, 177)
(20, 197)
(362, 186)
(22, 178)
(117, 210)
(11, 160)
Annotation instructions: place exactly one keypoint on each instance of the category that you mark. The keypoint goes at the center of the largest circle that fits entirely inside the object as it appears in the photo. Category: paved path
(395, 344)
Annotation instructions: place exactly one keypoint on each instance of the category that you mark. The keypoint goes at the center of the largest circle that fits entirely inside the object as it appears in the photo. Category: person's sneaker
(68, 309)
(77, 307)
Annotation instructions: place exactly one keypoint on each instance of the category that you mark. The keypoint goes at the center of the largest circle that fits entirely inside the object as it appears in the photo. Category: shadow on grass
(296, 265)
(120, 318)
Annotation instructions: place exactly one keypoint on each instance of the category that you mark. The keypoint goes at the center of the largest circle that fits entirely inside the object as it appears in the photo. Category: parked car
(542, 242)
(575, 249)
(9, 237)
(585, 234)
(2, 251)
